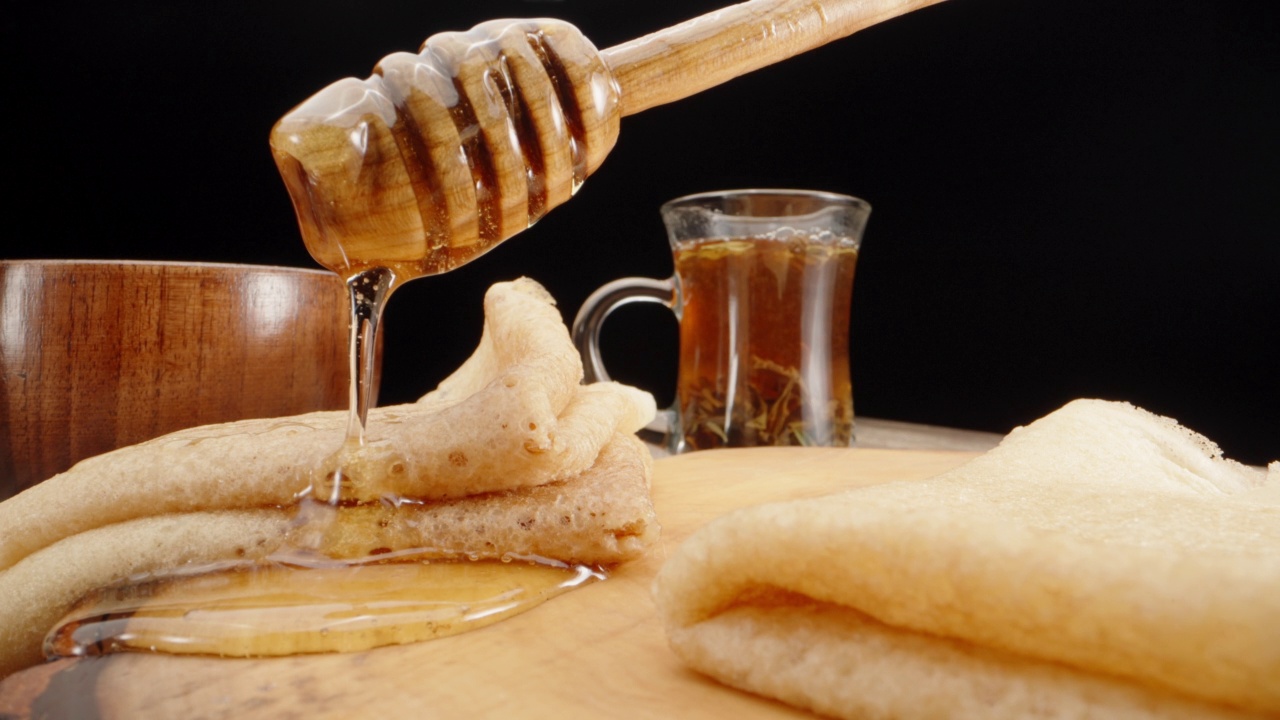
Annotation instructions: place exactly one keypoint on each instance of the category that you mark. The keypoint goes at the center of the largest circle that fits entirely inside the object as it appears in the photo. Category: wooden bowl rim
(60, 263)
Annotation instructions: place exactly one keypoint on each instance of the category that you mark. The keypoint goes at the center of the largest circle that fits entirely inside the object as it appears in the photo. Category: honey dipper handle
(701, 53)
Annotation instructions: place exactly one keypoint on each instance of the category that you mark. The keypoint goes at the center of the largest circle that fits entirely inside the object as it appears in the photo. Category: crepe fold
(514, 414)
(1101, 562)
(510, 456)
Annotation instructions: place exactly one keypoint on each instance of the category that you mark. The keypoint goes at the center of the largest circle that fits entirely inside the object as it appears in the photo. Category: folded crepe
(1101, 562)
(510, 456)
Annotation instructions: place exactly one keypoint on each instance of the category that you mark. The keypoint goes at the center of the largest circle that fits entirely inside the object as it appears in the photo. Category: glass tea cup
(762, 290)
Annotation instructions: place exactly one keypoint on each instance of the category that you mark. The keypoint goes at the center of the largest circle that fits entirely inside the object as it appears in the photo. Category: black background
(1071, 197)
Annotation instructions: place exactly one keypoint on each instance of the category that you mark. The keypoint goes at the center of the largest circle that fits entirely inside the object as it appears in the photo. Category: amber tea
(764, 343)
(762, 288)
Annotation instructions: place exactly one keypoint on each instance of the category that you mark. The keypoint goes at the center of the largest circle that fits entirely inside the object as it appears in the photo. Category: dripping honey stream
(312, 596)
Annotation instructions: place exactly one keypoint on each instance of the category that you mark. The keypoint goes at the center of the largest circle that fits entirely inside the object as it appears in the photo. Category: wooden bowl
(95, 355)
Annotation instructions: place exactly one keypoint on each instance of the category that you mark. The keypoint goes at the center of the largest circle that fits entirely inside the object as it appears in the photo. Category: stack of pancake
(510, 456)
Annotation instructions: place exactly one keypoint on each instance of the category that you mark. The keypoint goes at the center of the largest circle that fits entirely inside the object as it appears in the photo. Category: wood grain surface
(595, 652)
(680, 61)
(98, 355)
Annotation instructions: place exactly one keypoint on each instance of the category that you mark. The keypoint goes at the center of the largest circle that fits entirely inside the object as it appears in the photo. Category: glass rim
(833, 199)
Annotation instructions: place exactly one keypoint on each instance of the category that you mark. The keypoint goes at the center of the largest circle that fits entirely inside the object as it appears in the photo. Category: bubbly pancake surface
(1101, 544)
(510, 455)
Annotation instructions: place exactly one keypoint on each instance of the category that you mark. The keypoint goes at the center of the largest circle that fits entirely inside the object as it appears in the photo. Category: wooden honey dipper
(441, 155)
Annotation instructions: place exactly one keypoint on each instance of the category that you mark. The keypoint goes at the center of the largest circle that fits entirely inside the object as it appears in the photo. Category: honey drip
(369, 291)
(424, 166)
(314, 594)
(275, 610)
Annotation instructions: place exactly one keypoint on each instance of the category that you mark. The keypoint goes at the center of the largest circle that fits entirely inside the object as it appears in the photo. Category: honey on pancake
(326, 589)
(302, 601)
(331, 587)
(268, 610)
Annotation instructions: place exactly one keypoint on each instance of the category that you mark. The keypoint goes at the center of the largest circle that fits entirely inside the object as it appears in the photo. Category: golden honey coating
(441, 155)
(602, 515)
(511, 454)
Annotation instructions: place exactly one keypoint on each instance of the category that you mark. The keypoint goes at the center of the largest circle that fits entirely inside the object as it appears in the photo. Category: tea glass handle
(586, 335)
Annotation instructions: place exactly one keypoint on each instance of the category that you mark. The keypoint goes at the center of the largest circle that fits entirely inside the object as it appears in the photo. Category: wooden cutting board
(598, 651)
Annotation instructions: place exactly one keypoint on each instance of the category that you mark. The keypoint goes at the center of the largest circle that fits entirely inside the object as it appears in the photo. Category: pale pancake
(511, 455)
(601, 516)
(1100, 562)
(513, 415)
